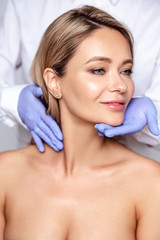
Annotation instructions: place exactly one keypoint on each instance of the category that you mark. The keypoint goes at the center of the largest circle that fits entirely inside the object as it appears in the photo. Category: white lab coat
(25, 21)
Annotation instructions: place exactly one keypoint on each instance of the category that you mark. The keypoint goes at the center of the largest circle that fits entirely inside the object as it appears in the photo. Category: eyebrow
(99, 58)
(127, 61)
(104, 59)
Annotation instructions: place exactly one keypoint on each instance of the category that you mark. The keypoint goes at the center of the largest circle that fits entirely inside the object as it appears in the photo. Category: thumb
(119, 130)
(153, 124)
(37, 91)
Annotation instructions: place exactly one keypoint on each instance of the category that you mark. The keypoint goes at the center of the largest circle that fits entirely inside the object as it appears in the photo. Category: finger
(100, 134)
(45, 138)
(121, 130)
(51, 123)
(152, 123)
(38, 142)
(102, 127)
(37, 91)
(46, 130)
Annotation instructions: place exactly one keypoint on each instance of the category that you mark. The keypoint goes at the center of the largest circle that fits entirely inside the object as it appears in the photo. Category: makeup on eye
(98, 71)
(127, 67)
(102, 71)
(127, 72)
(100, 65)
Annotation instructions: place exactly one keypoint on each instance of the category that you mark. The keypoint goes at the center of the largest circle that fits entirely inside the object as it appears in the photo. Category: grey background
(9, 136)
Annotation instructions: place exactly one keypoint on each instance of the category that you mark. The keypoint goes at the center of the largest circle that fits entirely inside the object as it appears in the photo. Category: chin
(114, 121)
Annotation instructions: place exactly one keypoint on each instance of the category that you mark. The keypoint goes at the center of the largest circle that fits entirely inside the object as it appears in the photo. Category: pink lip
(117, 105)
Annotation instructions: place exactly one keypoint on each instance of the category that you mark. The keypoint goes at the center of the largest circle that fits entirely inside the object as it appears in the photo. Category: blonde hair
(60, 42)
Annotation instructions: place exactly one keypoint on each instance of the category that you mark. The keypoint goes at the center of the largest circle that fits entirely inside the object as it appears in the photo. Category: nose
(116, 83)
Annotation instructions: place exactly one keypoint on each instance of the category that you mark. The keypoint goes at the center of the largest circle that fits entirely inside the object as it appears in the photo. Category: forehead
(104, 42)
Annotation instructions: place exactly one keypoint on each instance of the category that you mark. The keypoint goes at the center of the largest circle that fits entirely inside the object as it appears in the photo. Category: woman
(102, 191)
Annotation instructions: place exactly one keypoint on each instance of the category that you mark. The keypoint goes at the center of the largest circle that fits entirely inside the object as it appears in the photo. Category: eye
(127, 72)
(98, 71)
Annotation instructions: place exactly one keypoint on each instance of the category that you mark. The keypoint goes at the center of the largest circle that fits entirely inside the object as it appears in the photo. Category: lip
(116, 104)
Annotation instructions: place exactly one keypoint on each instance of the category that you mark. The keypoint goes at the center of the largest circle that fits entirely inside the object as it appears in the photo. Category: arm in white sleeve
(9, 60)
(152, 92)
(9, 101)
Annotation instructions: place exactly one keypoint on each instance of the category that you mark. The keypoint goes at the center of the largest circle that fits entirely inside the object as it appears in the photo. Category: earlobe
(51, 81)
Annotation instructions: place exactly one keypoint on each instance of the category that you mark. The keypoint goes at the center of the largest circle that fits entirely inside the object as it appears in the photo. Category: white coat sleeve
(10, 47)
(152, 92)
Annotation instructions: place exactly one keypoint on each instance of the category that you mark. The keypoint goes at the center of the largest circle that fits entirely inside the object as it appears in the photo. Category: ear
(52, 84)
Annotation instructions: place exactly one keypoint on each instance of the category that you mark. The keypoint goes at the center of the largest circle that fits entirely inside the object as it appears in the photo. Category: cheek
(80, 92)
(130, 91)
(93, 90)
(132, 88)
(85, 90)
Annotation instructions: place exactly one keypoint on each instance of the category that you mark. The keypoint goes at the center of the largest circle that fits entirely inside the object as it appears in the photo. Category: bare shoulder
(13, 156)
(144, 179)
(7, 160)
(145, 168)
(137, 164)
(141, 172)
(15, 161)
(145, 183)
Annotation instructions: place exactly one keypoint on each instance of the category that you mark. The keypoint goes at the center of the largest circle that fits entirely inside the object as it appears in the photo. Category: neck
(81, 144)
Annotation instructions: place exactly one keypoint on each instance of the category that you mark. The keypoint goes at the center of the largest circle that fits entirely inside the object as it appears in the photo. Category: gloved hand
(42, 126)
(139, 113)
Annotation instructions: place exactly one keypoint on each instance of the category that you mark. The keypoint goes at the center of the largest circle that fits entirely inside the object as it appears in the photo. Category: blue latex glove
(42, 126)
(139, 113)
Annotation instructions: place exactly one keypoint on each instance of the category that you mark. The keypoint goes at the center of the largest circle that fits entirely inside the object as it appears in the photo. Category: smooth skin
(94, 189)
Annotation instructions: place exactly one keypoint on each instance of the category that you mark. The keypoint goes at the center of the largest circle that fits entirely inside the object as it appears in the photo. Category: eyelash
(127, 72)
(98, 69)
(102, 71)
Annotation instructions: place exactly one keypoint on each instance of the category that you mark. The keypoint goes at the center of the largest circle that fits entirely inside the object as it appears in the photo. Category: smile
(117, 105)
